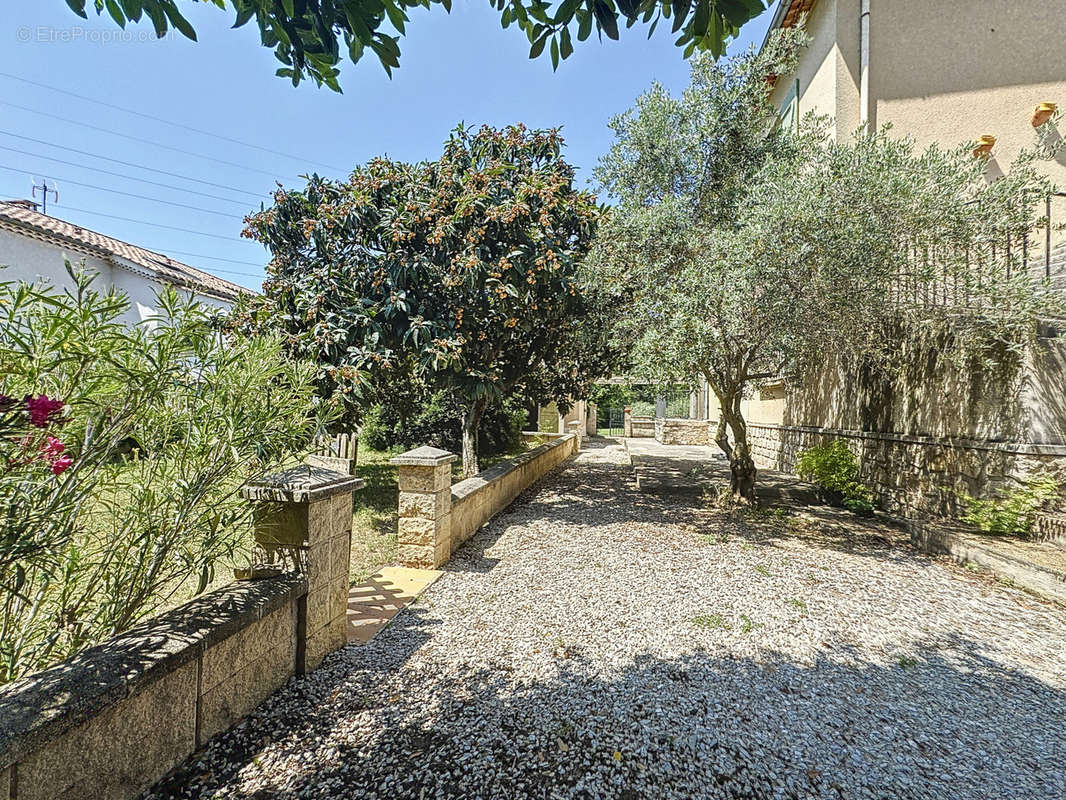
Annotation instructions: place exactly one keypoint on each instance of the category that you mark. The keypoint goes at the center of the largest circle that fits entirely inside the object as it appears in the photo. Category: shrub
(119, 488)
(835, 469)
(1012, 512)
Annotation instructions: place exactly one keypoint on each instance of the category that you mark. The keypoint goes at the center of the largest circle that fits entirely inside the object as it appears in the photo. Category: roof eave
(783, 7)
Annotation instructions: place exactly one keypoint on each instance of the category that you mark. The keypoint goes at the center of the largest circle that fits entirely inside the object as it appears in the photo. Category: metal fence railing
(937, 275)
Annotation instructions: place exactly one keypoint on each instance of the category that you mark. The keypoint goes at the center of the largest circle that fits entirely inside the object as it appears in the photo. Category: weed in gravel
(762, 570)
(906, 662)
(796, 603)
(710, 621)
(747, 624)
(714, 538)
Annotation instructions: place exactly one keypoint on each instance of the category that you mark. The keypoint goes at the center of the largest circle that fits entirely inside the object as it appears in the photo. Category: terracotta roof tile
(17, 216)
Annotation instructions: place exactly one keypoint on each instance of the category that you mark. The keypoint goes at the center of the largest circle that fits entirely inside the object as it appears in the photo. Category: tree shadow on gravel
(592, 494)
(944, 720)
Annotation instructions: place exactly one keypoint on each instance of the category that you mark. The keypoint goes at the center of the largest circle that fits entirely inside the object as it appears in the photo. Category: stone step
(1035, 567)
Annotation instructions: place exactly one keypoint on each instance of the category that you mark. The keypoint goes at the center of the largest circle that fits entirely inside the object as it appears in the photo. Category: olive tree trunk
(471, 420)
(742, 470)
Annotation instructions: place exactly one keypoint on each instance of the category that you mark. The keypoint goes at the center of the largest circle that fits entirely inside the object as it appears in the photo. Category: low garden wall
(477, 500)
(436, 517)
(115, 718)
(682, 431)
(912, 475)
(638, 427)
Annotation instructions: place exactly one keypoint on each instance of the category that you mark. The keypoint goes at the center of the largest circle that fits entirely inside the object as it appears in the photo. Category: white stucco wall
(34, 261)
(828, 71)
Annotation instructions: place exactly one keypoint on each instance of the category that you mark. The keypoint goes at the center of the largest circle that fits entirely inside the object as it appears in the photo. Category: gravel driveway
(597, 642)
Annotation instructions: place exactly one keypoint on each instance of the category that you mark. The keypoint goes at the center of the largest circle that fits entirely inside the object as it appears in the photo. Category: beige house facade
(945, 72)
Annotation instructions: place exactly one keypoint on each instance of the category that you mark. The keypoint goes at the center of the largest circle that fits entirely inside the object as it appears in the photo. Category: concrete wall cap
(424, 457)
(301, 484)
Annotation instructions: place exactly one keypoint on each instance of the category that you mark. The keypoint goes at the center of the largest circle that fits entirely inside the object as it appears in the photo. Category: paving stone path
(600, 642)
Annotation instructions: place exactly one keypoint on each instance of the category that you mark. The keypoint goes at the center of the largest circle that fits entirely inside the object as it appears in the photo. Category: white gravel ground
(594, 642)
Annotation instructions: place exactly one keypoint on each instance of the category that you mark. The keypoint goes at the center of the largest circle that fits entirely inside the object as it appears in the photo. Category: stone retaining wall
(110, 721)
(640, 427)
(682, 431)
(436, 517)
(912, 475)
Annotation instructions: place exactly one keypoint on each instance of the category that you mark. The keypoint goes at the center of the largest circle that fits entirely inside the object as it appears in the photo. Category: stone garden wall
(435, 517)
(682, 431)
(639, 427)
(912, 475)
(112, 720)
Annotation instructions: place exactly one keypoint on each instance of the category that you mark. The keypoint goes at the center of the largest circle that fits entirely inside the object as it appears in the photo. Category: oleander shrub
(835, 470)
(123, 452)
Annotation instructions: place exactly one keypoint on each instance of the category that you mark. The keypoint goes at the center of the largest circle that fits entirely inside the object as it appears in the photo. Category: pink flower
(60, 465)
(51, 449)
(43, 410)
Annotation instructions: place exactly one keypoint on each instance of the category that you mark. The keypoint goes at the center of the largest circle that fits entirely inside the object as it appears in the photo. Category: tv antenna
(44, 186)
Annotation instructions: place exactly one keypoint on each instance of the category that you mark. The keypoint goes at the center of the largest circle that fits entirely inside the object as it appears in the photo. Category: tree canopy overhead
(464, 270)
(312, 37)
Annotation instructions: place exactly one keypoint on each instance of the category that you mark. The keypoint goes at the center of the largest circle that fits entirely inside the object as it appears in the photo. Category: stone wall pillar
(424, 529)
(304, 514)
(627, 423)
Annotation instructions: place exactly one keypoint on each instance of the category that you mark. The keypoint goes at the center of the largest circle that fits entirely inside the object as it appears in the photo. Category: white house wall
(35, 261)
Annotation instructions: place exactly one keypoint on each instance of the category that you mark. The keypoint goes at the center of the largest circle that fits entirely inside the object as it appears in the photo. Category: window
(788, 117)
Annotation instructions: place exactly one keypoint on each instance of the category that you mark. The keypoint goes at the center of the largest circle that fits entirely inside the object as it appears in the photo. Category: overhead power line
(257, 195)
(201, 209)
(132, 138)
(123, 175)
(218, 258)
(212, 134)
(151, 224)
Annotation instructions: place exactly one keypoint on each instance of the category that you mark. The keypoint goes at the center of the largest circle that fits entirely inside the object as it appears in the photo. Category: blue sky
(457, 67)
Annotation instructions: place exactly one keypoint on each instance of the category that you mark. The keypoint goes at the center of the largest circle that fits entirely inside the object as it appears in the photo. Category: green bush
(1012, 512)
(835, 469)
(123, 452)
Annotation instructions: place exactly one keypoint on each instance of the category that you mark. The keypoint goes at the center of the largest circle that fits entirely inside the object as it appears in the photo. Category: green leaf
(606, 19)
(159, 20)
(700, 20)
(681, 9)
(538, 46)
(584, 26)
(244, 14)
(78, 7)
(396, 16)
(566, 11)
(566, 47)
(287, 6)
(555, 54)
(116, 13)
(179, 22)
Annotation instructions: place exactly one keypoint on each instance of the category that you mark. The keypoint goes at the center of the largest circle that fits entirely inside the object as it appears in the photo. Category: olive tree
(754, 252)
